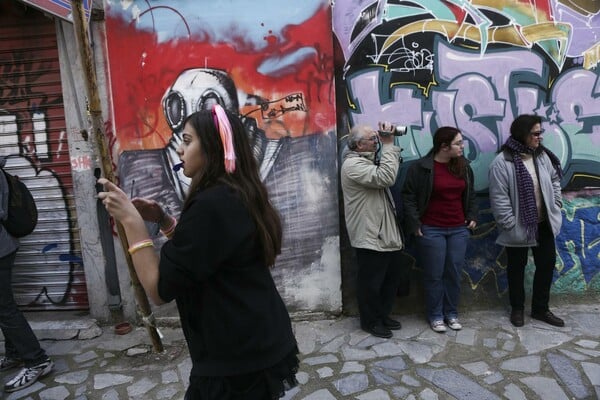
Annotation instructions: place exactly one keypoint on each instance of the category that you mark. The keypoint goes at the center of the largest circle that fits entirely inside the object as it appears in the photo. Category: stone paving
(488, 359)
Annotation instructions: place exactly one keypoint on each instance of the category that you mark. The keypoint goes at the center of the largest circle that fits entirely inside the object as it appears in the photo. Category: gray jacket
(370, 218)
(8, 244)
(505, 203)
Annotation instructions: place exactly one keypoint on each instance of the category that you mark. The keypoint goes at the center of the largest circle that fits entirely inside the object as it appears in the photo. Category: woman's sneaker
(438, 326)
(454, 324)
(28, 376)
(7, 363)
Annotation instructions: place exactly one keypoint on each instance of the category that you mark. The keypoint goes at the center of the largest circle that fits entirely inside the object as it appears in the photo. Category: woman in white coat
(525, 197)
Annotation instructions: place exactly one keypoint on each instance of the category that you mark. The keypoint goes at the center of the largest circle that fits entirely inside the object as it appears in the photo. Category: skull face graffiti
(194, 90)
(201, 88)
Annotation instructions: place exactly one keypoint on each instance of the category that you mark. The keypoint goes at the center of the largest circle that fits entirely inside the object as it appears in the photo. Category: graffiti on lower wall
(273, 66)
(578, 244)
(477, 65)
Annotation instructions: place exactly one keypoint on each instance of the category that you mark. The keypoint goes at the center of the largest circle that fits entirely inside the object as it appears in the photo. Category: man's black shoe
(378, 330)
(548, 317)
(391, 323)
(517, 318)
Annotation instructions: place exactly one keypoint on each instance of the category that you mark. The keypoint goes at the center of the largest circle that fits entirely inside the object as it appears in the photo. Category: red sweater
(445, 205)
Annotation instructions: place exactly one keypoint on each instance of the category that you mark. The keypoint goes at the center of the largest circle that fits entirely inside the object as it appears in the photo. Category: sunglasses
(538, 133)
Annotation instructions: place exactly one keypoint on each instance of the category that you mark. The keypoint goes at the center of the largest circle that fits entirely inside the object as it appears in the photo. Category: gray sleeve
(555, 183)
(8, 243)
(500, 196)
(4, 194)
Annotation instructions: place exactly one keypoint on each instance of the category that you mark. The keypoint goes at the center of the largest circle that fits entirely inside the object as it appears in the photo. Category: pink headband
(224, 128)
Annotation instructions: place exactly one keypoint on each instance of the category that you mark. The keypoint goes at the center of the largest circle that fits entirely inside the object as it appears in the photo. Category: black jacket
(232, 315)
(416, 193)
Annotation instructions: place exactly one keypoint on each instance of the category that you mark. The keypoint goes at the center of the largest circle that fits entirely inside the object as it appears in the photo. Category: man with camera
(369, 168)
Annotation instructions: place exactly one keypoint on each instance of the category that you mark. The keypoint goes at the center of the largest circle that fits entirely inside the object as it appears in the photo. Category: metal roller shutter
(48, 273)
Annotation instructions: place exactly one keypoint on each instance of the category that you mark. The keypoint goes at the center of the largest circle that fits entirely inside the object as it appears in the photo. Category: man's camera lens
(400, 130)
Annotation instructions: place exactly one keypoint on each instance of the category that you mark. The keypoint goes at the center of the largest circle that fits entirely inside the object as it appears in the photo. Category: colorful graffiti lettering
(482, 96)
(477, 65)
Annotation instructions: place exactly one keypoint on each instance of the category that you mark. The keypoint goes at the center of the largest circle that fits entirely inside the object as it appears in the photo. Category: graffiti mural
(48, 270)
(476, 65)
(578, 243)
(273, 66)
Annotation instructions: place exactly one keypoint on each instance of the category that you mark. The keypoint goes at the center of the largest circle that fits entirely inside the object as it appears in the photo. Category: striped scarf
(527, 206)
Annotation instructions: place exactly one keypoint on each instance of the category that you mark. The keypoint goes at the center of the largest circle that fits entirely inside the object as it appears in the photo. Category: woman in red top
(439, 208)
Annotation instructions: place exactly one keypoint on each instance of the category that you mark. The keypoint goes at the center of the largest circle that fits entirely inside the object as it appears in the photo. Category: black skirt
(268, 384)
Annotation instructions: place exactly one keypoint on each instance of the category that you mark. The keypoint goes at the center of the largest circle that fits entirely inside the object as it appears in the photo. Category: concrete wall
(476, 65)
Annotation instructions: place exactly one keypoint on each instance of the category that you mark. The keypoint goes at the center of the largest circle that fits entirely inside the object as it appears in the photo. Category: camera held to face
(399, 130)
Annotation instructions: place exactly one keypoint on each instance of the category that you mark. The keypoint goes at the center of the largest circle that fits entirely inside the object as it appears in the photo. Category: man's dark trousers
(379, 273)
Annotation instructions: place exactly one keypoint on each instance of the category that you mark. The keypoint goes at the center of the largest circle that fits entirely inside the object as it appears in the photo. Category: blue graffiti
(578, 244)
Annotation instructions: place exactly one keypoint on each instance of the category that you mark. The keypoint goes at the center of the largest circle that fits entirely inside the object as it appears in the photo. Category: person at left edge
(371, 223)
(215, 264)
(22, 348)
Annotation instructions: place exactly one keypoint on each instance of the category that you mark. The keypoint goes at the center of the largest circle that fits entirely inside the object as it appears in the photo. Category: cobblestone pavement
(487, 359)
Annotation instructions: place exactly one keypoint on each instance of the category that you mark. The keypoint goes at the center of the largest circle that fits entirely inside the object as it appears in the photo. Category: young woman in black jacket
(215, 265)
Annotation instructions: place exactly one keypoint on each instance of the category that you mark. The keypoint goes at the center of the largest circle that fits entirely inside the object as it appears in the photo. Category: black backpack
(22, 214)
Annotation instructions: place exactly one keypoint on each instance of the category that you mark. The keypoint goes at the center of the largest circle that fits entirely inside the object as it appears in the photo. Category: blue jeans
(19, 340)
(441, 254)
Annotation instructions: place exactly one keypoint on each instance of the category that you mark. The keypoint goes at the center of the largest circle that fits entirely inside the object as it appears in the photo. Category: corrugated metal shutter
(48, 273)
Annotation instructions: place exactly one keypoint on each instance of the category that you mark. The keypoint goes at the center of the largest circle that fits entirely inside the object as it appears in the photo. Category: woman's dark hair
(244, 180)
(520, 129)
(443, 137)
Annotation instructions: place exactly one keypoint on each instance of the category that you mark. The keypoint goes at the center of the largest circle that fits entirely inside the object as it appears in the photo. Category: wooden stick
(98, 131)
